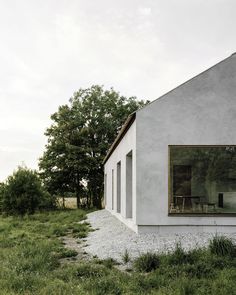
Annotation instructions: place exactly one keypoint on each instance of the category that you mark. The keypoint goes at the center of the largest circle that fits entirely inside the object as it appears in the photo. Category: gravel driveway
(112, 238)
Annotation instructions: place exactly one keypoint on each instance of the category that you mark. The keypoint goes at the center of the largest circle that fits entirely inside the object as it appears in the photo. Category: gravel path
(112, 238)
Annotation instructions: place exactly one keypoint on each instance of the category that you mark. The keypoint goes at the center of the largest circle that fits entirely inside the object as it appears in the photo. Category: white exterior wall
(199, 112)
(127, 144)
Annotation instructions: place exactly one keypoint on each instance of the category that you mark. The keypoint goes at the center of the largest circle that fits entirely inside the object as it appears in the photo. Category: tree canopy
(78, 140)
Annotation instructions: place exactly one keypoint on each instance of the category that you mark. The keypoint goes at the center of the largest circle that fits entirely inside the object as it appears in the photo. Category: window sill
(191, 214)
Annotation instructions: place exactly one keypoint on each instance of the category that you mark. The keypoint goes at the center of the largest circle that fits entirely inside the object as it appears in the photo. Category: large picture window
(202, 179)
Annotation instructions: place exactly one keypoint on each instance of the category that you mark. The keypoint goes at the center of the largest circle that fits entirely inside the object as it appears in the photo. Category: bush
(222, 246)
(47, 201)
(23, 193)
(147, 262)
(1, 194)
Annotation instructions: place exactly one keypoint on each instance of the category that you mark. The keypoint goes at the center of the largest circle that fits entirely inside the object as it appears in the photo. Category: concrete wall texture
(126, 146)
(201, 111)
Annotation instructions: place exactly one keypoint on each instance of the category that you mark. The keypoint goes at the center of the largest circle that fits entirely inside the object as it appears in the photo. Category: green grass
(147, 262)
(31, 252)
(126, 257)
(222, 246)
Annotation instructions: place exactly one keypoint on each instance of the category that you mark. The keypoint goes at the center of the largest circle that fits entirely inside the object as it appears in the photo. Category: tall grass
(223, 246)
(31, 250)
(147, 262)
(126, 257)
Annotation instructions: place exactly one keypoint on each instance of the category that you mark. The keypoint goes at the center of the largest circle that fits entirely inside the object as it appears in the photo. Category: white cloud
(145, 11)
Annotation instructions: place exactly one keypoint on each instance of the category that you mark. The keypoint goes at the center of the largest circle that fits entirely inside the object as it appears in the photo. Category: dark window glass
(202, 179)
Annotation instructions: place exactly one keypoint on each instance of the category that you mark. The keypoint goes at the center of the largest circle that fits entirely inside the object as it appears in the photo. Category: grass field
(31, 252)
(70, 203)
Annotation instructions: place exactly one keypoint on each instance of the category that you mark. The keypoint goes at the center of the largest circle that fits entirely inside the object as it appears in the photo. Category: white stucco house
(172, 167)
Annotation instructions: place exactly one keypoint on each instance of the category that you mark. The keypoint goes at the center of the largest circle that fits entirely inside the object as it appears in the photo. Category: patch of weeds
(80, 230)
(90, 270)
(108, 262)
(79, 227)
(126, 257)
(185, 287)
(225, 282)
(147, 262)
(82, 234)
(59, 231)
(219, 262)
(143, 284)
(106, 285)
(222, 246)
(179, 256)
(67, 253)
(199, 270)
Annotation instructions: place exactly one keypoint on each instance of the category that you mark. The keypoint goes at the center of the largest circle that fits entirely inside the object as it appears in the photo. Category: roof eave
(129, 121)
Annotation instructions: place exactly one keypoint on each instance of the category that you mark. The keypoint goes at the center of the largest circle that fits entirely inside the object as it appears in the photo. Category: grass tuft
(147, 262)
(91, 270)
(126, 257)
(222, 246)
(67, 253)
(108, 262)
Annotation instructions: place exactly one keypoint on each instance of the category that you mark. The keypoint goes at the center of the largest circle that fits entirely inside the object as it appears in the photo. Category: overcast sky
(51, 48)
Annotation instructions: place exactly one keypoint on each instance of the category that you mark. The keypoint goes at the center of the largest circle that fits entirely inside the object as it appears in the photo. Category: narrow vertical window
(105, 190)
(129, 182)
(112, 190)
(119, 187)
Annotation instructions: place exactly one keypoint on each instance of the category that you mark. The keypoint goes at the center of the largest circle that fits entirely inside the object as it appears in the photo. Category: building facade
(173, 165)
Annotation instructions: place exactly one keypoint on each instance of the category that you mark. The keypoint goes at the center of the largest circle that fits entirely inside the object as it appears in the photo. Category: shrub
(147, 262)
(47, 201)
(23, 193)
(1, 194)
(222, 246)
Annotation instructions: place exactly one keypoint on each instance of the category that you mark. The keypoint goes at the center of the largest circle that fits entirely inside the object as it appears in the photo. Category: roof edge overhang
(129, 121)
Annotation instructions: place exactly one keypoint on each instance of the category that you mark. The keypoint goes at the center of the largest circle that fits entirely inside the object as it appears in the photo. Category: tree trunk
(97, 201)
(89, 198)
(77, 194)
(77, 191)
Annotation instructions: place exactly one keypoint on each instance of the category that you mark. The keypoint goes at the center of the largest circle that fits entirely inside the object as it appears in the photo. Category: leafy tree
(23, 193)
(78, 140)
(1, 194)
